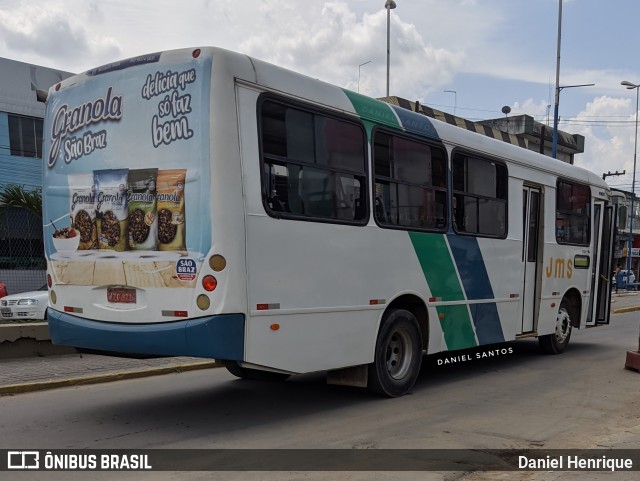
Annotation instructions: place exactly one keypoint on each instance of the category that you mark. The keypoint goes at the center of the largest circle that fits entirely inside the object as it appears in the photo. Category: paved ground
(46, 372)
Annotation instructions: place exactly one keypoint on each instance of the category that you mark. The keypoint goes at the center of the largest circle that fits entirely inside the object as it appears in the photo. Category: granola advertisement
(127, 169)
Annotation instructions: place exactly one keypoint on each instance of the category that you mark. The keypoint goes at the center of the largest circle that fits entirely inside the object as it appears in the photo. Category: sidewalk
(625, 301)
(37, 373)
(27, 374)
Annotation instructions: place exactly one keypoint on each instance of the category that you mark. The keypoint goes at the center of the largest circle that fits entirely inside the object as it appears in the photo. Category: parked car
(27, 305)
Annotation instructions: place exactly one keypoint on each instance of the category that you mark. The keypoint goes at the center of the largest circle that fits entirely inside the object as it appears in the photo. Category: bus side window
(314, 164)
(480, 193)
(573, 213)
(407, 193)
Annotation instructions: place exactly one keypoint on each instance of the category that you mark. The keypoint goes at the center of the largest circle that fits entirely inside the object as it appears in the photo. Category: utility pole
(610, 174)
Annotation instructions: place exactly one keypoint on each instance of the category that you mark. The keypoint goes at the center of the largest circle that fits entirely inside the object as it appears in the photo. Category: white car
(27, 305)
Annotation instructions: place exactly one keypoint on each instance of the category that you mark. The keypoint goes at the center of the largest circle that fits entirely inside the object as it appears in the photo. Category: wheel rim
(563, 325)
(399, 354)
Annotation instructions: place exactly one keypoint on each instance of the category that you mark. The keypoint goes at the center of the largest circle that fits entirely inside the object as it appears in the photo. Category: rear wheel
(557, 342)
(398, 355)
(253, 374)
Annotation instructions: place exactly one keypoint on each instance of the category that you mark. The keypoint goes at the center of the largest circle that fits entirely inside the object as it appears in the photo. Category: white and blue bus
(200, 202)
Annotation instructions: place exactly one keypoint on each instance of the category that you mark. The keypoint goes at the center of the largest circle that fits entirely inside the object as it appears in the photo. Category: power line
(623, 119)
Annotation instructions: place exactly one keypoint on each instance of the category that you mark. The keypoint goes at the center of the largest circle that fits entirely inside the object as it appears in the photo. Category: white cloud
(608, 128)
(538, 109)
(329, 42)
(50, 36)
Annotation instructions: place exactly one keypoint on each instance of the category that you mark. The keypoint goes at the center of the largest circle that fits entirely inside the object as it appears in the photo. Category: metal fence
(22, 262)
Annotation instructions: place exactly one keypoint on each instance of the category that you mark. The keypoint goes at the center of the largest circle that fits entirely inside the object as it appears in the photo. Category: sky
(486, 53)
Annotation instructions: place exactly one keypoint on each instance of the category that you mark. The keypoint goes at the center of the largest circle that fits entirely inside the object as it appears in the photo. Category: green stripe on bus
(439, 271)
(372, 109)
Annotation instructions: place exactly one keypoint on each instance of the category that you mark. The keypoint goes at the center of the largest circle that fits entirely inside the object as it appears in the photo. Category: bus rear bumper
(217, 337)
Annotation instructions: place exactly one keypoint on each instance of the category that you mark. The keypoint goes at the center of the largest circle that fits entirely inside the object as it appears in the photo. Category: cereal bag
(171, 217)
(111, 208)
(83, 209)
(143, 219)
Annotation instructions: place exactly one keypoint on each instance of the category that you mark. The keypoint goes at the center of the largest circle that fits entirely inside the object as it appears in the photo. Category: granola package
(82, 209)
(171, 213)
(142, 219)
(111, 208)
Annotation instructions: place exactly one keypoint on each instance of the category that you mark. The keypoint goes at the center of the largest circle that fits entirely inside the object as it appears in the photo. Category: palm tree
(20, 237)
(13, 195)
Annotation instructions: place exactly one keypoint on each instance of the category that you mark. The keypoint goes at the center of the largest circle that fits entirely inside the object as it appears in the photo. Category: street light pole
(455, 99)
(554, 145)
(362, 64)
(389, 5)
(630, 86)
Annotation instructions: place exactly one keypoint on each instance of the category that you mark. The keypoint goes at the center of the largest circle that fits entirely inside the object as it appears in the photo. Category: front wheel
(398, 355)
(557, 342)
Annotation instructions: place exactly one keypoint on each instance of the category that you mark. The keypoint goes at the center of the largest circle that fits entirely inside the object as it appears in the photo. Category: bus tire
(254, 374)
(557, 342)
(398, 355)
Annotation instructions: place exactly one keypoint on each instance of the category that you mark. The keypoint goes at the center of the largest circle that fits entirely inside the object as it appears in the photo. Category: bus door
(531, 236)
(604, 221)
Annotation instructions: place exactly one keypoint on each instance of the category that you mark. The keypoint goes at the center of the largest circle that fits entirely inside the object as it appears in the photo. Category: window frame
(37, 136)
(419, 140)
(483, 158)
(588, 217)
(284, 161)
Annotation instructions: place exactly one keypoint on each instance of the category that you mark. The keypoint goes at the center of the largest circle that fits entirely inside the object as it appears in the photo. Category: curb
(36, 330)
(105, 377)
(622, 310)
(28, 339)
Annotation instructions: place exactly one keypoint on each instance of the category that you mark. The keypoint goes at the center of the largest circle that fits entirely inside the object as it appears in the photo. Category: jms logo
(559, 268)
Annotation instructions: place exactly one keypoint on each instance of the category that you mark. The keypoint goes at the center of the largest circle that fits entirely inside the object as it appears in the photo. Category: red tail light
(209, 283)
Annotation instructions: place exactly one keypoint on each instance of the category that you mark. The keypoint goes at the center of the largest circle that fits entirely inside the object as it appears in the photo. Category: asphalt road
(518, 398)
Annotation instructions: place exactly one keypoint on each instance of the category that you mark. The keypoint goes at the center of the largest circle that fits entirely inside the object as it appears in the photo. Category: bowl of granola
(66, 239)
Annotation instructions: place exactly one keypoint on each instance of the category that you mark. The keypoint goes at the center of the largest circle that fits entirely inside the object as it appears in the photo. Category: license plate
(5, 310)
(121, 295)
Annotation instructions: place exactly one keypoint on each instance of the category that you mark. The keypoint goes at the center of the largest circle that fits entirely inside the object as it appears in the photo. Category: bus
(200, 202)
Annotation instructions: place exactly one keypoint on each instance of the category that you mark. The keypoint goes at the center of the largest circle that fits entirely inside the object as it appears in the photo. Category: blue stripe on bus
(217, 337)
(487, 323)
(416, 123)
(466, 252)
(477, 286)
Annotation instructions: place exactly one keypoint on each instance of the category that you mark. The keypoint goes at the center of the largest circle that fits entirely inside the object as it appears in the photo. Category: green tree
(13, 195)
